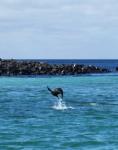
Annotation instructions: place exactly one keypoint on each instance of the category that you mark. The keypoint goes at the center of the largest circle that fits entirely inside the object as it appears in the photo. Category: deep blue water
(30, 119)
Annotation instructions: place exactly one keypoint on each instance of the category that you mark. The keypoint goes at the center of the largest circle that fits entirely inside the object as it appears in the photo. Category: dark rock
(116, 68)
(14, 67)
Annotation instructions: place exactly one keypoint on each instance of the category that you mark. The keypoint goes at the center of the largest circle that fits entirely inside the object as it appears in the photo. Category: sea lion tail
(61, 92)
(62, 95)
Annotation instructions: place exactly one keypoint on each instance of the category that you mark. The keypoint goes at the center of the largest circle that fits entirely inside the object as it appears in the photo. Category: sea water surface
(32, 119)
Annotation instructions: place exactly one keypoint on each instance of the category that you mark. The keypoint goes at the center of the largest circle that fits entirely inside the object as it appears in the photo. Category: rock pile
(116, 68)
(25, 67)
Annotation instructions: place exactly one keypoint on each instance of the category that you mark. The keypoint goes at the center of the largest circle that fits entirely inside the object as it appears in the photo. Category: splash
(61, 105)
(93, 104)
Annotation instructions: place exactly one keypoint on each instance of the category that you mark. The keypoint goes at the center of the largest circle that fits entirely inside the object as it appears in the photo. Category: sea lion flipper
(49, 89)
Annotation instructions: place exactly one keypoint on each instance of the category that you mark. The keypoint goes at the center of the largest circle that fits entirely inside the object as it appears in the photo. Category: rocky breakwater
(116, 68)
(25, 67)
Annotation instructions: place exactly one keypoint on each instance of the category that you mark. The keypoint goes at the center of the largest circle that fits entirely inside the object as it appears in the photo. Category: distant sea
(87, 117)
(107, 63)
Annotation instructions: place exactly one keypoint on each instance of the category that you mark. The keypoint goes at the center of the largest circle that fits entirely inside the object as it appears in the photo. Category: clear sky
(67, 29)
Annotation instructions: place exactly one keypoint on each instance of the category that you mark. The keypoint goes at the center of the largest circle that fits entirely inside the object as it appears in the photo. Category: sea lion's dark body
(56, 92)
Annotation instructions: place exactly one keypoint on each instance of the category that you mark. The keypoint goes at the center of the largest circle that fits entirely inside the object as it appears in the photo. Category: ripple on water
(30, 118)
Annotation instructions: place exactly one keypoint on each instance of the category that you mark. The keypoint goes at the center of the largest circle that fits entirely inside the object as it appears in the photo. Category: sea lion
(56, 92)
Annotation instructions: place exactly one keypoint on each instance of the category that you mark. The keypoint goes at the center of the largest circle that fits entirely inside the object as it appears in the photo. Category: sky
(59, 29)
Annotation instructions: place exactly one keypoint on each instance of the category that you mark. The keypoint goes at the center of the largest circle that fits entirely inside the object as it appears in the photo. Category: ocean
(32, 119)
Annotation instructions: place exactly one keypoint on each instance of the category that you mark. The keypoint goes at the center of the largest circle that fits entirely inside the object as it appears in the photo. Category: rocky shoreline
(14, 68)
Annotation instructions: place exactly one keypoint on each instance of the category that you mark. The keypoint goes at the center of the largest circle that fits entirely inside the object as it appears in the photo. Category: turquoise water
(30, 119)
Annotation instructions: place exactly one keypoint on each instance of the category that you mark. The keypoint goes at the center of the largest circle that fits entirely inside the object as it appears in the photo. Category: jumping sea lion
(56, 92)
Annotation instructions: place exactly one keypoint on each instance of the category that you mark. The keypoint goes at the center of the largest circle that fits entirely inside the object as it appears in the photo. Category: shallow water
(30, 118)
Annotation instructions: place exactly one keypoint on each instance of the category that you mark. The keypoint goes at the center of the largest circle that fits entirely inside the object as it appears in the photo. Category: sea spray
(61, 105)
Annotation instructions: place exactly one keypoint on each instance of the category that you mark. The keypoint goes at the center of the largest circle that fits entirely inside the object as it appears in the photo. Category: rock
(14, 67)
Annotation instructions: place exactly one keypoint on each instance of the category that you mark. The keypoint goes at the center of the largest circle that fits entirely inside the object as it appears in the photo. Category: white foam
(93, 104)
(61, 105)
